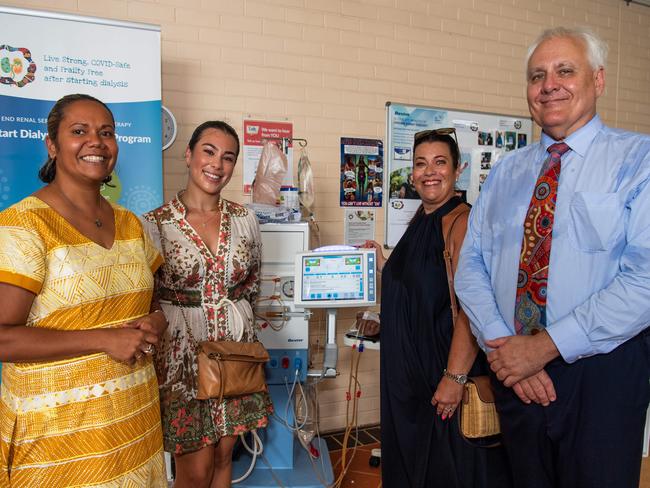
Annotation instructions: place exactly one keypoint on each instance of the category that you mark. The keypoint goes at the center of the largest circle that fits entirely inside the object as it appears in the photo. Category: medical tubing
(350, 424)
(255, 452)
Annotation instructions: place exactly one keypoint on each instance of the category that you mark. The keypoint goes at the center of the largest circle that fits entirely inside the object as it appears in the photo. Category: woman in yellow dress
(79, 397)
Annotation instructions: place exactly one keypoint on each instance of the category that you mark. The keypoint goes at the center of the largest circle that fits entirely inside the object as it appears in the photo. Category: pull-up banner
(44, 56)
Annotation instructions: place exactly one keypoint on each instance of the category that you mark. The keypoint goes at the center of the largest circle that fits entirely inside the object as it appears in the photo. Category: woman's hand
(381, 259)
(128, 344)
(154, 325)
(367, 323)
(447, 397)
(154, 322)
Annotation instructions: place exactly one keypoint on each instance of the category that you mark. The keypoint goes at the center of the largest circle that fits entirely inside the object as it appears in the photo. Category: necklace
(205, 222)
(196, 211)
(209, 219)
(98, 223)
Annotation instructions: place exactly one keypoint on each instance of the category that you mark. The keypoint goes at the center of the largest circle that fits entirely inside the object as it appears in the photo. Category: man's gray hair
(596, 48)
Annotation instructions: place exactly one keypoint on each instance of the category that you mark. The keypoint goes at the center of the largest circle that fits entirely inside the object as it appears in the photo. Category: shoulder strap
(225, 300)
(450, 273)
(180, 304)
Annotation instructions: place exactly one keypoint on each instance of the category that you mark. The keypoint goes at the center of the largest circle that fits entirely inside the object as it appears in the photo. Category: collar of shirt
(580, 140)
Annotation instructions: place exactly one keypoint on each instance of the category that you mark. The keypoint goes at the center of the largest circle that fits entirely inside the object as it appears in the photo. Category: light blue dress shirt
(599, 272)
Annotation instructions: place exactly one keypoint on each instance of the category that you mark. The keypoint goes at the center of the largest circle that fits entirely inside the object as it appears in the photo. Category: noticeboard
(484, 138)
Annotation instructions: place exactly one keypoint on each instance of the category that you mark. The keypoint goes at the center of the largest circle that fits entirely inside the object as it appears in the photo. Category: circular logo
(474, 126)
(517, 124)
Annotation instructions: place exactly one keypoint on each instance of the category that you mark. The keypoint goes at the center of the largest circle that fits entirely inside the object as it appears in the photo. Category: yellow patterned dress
(90, 420)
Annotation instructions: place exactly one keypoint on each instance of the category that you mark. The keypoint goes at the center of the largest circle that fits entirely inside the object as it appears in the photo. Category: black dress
(419, 449)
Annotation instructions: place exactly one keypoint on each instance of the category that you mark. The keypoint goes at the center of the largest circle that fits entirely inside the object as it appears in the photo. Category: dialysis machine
(295, 280)
(284, 331)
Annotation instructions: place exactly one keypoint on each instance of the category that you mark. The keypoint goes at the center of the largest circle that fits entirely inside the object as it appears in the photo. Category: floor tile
(375, 432)
(365, 438)
(332, 443)
(361, 480)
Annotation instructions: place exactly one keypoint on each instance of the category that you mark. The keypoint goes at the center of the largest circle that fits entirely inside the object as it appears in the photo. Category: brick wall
(329, 66)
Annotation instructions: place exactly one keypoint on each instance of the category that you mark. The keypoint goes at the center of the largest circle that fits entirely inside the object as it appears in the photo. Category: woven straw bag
(478, 416)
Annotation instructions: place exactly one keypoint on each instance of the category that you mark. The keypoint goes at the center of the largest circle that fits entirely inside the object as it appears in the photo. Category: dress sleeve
(151, 238)
(250, 287)
(22, 252)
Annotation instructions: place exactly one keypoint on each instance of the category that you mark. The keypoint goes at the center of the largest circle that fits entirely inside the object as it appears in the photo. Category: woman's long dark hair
(54, 118)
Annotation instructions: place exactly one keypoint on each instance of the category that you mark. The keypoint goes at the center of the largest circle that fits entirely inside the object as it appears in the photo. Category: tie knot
(558, 148)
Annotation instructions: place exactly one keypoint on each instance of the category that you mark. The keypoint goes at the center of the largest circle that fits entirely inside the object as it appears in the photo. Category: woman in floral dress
(212, 262)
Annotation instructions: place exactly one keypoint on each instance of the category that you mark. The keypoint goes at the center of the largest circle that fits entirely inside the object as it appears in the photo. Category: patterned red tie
(530, 304)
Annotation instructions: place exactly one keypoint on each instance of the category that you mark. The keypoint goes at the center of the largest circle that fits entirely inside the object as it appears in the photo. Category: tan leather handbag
(230, 368)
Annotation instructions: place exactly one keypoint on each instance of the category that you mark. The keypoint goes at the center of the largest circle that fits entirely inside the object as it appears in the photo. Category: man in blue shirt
(573, 383)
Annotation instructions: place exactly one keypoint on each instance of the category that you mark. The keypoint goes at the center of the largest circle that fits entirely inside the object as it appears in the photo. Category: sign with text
(256, 133)
(116, 62)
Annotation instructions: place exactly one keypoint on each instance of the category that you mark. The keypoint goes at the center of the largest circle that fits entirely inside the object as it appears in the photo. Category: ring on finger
(149, 349)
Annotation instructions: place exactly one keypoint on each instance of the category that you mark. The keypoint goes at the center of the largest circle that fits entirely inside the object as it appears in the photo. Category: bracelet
(461, 379)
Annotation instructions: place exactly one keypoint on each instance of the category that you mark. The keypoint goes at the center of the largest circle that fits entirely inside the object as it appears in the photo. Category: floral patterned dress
(199, 280)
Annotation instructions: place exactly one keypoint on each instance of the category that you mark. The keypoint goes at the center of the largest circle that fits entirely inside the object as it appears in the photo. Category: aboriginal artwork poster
(362, 172)
(116, 62)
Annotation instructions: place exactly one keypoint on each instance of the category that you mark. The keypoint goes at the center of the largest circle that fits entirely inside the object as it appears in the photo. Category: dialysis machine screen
(335, 279)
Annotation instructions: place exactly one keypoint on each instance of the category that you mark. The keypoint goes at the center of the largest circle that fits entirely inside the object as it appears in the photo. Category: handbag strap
(194, 342)
(450, 273)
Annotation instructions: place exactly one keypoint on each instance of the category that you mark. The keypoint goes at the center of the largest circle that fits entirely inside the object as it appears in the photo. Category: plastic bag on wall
(305, 182)
(307, 194)
(269, 176)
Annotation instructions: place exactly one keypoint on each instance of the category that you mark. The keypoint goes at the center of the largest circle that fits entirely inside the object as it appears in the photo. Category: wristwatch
(461, 379)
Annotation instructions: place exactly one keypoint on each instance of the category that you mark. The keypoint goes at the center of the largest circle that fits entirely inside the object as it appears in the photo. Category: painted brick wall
(329, 66)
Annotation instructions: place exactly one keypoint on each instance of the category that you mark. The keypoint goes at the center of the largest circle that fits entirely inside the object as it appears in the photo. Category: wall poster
(43, 56)
(483, 138)
(362, 172)
(256, 133)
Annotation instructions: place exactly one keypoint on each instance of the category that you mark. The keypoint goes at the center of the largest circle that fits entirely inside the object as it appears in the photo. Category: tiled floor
(359, 474)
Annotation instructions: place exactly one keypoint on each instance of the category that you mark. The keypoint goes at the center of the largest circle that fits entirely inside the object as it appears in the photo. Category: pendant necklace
(205, 222)
(209, 219)
(98, 223)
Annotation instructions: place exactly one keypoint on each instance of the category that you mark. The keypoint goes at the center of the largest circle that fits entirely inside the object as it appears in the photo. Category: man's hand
(518, 357)
(538, 388)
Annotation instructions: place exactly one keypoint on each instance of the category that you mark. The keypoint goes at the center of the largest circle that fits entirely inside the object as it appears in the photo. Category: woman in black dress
(423, 355)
